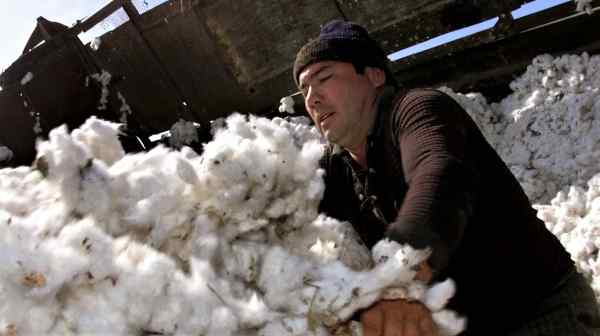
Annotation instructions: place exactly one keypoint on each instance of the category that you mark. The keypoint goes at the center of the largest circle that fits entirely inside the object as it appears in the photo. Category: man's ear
(375, 75)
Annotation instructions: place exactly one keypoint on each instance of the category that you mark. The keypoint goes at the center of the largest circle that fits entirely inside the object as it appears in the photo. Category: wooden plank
(259, 38)
(136, 75)
(97, 17)
(399, 24)
(187, 50)
(489, 36)
(490, 67)
(57, 92)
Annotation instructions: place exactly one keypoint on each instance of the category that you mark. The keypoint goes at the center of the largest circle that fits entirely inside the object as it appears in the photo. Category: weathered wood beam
(488, 36)
(97, 17)
(400, 24)
(491, 66)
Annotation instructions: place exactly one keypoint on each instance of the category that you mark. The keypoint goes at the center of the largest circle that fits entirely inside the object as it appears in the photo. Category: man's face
(339, 100)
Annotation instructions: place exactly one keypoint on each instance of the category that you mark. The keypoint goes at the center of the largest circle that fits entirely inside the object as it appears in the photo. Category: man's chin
(330, 136)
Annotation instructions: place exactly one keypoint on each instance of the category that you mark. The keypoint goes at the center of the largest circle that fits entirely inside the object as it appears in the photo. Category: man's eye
(324, 78)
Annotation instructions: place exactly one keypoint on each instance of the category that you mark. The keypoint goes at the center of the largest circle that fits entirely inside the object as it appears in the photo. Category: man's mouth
(325, 116)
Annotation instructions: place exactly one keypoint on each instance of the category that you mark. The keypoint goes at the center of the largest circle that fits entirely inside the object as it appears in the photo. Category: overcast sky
(18, 20)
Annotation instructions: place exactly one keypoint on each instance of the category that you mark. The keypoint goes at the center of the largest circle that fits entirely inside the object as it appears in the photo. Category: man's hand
(398, 318)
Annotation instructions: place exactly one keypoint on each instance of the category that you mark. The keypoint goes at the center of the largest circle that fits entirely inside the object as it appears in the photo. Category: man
(412, 166)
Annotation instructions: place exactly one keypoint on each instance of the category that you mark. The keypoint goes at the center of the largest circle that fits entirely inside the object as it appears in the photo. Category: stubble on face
(342, 111)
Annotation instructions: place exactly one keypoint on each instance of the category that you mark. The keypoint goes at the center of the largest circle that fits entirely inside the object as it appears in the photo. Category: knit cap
(345, 42)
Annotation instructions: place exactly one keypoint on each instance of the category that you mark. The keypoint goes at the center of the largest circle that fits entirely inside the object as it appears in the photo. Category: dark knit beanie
(345, 42)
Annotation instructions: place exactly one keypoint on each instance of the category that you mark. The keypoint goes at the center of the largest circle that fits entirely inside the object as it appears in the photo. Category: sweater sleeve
(431, 133)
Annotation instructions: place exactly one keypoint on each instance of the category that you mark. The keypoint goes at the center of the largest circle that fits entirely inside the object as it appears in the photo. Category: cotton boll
(384, 250)
(255, 313)
(449, 323)
(64, 158)
(27, 316)
(143, 276)
(57, 265)
(243, 260)
(198, 287)
(95, 193)
(308, 161)
(342, 291)
(282, 277)
(91, 311)
(438, 295)
(292, 327)
(101, 138)
(325, 251)
(223, 322)
(94, 244)
(286, 104)
(183, 133)
(338, 240)
(33, 267)
(186, 171)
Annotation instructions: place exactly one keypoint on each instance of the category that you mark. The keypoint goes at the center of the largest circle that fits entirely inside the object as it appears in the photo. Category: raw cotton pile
(548, 131)
(93, 241)
(574, 217)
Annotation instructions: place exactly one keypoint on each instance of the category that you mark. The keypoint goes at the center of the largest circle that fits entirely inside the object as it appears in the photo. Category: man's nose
(313, 97)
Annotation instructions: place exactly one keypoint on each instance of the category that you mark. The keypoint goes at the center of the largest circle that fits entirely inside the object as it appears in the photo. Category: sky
(18, 20)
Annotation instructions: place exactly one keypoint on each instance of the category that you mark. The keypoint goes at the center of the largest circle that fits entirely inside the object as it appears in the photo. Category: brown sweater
(437, 182)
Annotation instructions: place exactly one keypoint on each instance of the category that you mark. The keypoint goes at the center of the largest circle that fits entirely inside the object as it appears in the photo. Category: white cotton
(325, 251)
(286, 104)
(101, 138)
(449, 323)
(96, 43)
(584, 5)
(173, 242)
(282, 276)
(223, 322)
(5, 154)
(293, 327)
(183, 133)
(37, 124)
(27, 78)
(125, 109)
(574, 217)
(94, 245)
(103, 78)
(438, 295)
(547, 130)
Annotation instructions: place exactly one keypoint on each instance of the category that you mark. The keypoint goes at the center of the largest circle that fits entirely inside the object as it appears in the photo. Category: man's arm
(431, 137)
